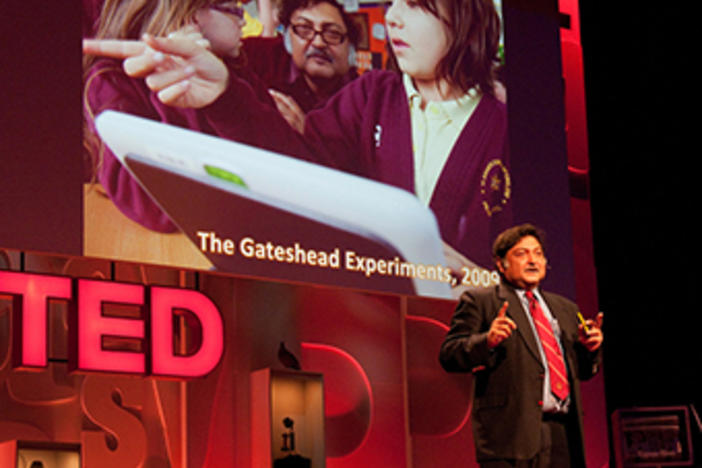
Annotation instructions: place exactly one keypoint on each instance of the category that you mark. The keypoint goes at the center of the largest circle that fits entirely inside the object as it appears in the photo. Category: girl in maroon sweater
(206, 23)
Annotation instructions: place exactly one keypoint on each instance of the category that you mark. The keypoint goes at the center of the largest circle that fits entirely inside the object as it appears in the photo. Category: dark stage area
(644, 209)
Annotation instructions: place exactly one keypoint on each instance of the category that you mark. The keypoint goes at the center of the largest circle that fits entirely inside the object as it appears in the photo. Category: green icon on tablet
(225, 175)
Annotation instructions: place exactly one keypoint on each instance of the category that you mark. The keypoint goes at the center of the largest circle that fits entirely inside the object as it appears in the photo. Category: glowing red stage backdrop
(385, 400)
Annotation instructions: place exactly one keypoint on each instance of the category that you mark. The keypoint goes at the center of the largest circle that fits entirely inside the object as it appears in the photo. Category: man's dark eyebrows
(331, 24)
(303, 20)
(325, 25)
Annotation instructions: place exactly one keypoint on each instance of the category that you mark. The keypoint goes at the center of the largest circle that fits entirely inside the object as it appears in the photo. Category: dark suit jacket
(507, 406)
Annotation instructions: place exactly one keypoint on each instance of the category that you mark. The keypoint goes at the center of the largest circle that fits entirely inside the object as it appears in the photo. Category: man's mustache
(313, 51)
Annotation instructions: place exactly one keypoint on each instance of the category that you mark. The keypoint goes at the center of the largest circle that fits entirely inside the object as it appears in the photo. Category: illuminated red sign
(90, 326)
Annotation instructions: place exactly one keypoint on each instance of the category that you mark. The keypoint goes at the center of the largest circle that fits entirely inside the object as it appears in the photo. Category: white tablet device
(227, 180)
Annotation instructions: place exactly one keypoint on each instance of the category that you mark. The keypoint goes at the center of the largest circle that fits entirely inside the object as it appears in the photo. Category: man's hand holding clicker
(590, 334)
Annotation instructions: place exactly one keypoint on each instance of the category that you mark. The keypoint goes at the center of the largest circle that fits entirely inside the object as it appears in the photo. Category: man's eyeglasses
(235, 10)
(330, 34)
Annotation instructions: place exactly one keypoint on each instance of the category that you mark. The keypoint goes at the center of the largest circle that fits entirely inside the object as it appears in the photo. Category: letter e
(89, 325)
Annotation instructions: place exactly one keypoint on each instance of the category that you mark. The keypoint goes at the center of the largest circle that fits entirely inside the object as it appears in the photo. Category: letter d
(164, 361)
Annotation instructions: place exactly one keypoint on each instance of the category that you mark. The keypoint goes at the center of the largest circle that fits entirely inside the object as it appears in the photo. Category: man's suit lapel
(516, 312)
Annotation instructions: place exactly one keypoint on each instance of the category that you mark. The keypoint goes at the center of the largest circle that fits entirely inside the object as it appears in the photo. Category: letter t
(31, 293)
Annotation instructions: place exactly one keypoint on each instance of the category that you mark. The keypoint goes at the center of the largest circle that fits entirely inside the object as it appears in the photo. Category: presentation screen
(388, 178)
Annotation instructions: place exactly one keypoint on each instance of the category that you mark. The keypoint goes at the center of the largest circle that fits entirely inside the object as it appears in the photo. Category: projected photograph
(246, 139)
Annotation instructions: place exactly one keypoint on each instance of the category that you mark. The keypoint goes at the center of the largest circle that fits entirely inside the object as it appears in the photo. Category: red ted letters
(89, 326)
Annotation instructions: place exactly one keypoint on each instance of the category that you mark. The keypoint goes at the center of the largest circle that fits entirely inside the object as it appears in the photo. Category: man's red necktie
(556, 364)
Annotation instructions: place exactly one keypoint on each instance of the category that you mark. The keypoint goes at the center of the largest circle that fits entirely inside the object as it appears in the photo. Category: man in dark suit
(528, 353)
